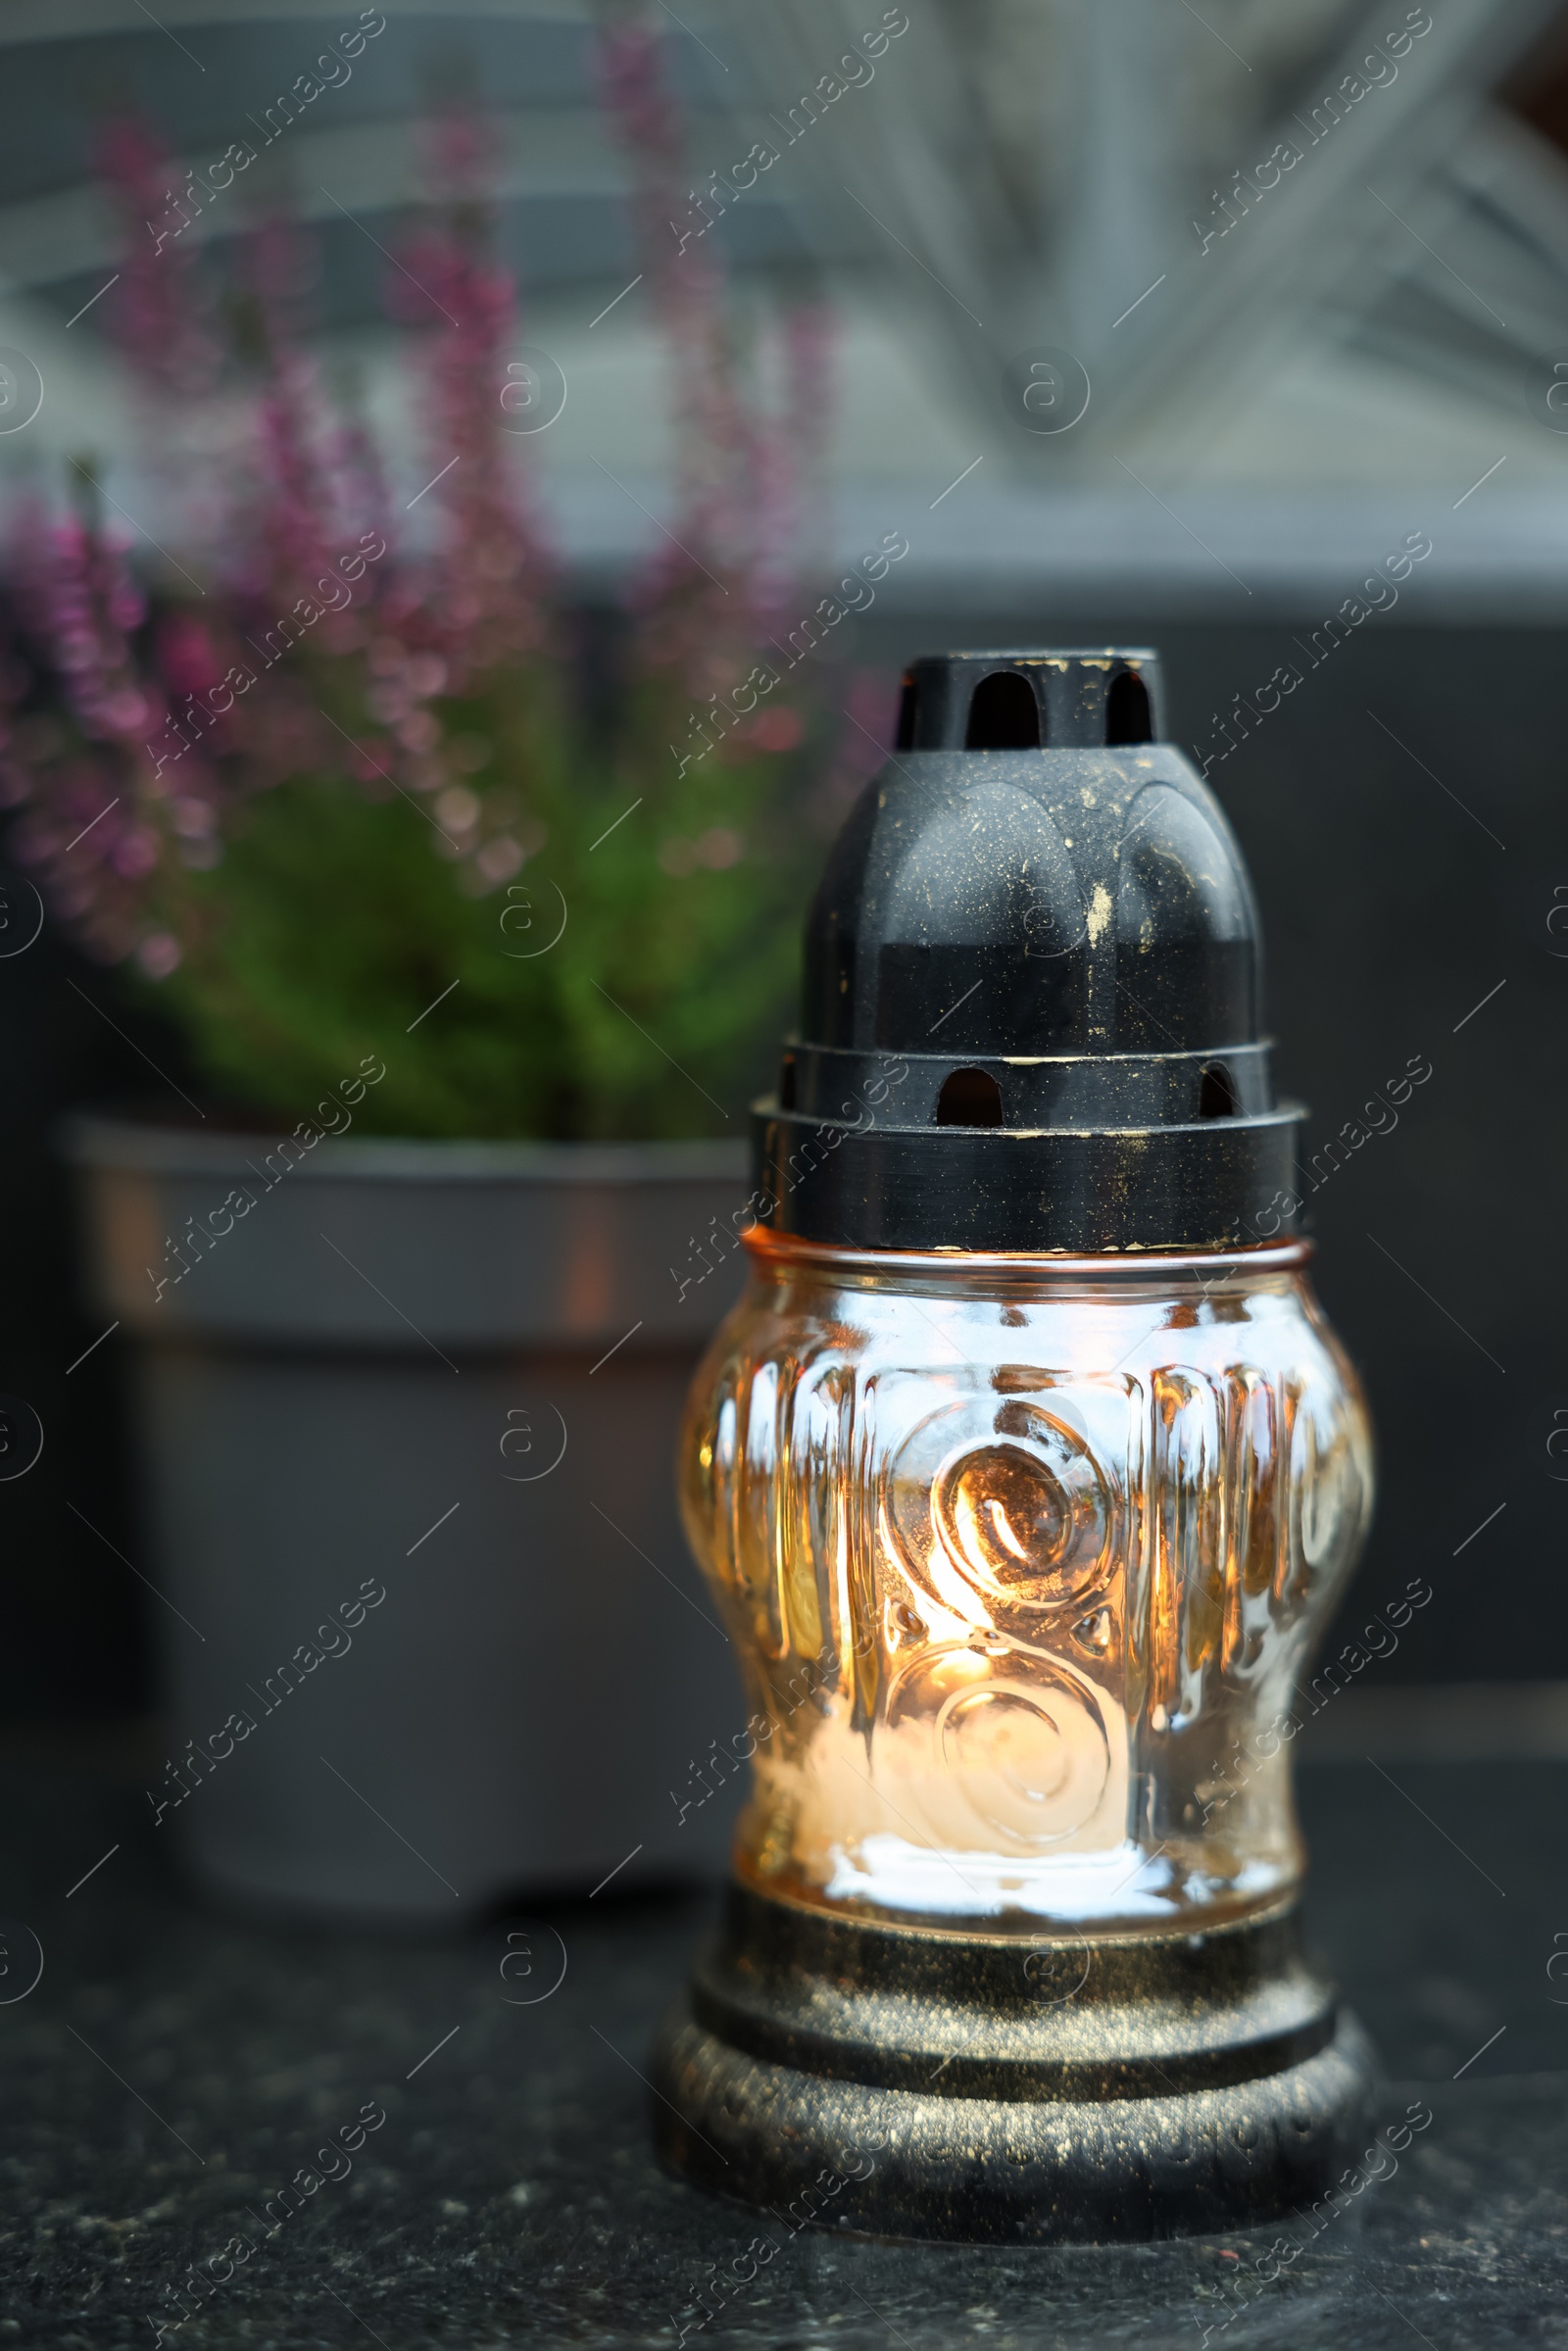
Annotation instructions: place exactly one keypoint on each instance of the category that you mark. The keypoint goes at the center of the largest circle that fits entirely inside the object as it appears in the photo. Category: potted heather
(475, 965)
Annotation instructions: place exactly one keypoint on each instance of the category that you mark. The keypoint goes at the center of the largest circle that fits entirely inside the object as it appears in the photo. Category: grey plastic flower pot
(430, 1636)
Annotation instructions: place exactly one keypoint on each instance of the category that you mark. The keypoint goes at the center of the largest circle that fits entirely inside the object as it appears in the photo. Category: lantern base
(917, 2083)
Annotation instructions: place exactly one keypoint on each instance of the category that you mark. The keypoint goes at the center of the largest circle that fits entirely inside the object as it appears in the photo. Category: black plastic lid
(1033, 987)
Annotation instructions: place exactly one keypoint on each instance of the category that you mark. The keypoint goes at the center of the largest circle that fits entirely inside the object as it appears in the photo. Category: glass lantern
(1027, 1473)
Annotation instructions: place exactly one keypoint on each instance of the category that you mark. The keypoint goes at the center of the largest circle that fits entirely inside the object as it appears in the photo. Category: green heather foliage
(333, 924)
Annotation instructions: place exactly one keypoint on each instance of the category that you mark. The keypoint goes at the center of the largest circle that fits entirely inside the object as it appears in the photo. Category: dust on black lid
(1031, 1017)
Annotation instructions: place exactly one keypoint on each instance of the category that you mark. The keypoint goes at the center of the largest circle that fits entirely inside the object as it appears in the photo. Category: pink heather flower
(358, 501)
(158, 954)
(289, 440)
(136, 852)
(489, 568)
(126, 710)
(685, 283)
(739, 484)
(155, 313)
(85, 603)
(186, 655)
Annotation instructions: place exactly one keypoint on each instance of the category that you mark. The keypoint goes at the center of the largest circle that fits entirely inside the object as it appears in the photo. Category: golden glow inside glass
(1021, 1557)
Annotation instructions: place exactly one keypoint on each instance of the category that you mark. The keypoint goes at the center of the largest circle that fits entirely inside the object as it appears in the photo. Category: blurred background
(1145, 324)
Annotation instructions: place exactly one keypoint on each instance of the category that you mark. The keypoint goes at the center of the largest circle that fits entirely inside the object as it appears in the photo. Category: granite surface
(173, 2067)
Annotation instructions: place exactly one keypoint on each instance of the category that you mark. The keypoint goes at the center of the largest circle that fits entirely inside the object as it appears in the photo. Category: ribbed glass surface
(1022, 1558)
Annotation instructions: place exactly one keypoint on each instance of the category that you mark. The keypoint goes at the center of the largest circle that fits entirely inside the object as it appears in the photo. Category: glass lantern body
(1022, 1558)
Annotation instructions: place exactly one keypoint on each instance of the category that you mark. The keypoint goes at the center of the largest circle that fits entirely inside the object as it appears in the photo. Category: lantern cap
(1031, 1017)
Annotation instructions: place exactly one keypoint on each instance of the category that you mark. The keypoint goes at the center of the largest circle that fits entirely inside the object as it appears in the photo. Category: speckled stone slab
(176, 2080)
